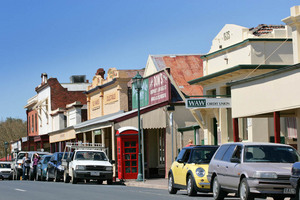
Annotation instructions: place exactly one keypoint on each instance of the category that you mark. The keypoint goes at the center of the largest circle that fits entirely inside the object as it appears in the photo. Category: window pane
(133, 163)
(127, 163)
(134, 170)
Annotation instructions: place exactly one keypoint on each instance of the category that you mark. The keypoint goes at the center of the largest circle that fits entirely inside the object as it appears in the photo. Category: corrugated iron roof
(263, 29)
(183, 68)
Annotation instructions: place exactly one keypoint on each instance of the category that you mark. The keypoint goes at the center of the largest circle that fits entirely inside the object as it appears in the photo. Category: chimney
(100, 72)
(44, 77)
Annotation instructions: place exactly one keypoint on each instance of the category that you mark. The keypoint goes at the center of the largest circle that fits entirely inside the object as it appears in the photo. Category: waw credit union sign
(208, 103)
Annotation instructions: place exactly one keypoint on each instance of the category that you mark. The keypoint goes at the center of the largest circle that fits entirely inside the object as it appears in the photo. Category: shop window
(32, 124)
(29, 131)
(36, 122)
(243, 128)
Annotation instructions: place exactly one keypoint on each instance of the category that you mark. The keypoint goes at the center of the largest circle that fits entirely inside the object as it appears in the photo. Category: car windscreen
(46, 159)
(202, 155)
(60, 155)
(21, 155)
(269, 153)
(4, 165)
(90, 155)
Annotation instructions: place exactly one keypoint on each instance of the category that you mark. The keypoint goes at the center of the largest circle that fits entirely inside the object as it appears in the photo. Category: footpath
(156, 183)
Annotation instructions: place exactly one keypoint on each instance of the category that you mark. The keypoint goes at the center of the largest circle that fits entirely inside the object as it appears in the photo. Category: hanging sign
(208, 103)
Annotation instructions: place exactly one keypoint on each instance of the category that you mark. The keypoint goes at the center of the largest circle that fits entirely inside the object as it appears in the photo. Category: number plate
(95, 173)
(289, 191)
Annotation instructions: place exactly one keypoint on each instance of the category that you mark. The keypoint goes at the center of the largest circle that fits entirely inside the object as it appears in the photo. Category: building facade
(238, 53)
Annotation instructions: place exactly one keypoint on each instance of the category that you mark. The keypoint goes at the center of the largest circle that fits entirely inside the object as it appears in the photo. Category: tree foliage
(10, 130)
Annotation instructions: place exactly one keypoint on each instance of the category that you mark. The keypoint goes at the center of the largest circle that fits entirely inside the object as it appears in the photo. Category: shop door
(130, 159)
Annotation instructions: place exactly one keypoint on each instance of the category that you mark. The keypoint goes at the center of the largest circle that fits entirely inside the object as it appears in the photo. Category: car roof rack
(85, 146)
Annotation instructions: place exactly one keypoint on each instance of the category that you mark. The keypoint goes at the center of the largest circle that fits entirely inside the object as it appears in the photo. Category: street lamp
(137, 81)
(5, 147)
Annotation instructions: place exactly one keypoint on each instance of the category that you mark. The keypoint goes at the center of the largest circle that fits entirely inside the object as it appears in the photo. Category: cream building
(237, 53)
(276, 92)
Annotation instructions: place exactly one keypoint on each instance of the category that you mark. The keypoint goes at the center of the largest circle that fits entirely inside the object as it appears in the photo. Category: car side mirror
(112, 161)
(235, 160)
(69, 159)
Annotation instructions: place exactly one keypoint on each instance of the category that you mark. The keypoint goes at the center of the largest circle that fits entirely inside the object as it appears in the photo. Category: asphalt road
(37, 190)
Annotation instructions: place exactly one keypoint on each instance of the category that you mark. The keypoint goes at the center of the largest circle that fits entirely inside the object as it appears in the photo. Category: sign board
(208, 103)
(155, 89)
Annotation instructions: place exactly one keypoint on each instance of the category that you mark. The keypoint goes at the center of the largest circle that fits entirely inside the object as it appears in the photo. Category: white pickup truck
(87, 162)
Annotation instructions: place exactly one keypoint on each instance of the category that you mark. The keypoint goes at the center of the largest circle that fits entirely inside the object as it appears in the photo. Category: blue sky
(75, 37)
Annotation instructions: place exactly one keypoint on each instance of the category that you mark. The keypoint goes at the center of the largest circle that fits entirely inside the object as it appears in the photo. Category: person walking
(36, 159)
(26, 166)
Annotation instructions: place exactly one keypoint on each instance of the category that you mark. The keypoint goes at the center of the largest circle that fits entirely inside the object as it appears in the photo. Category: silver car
(252, 170)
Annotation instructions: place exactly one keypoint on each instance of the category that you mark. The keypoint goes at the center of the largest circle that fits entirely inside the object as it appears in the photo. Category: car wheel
(244, 191)
(109, 182)
(74, 180)
(100, 181)
(191, 191)
(66, 177)
(171, 188)
(56, 179)
(218, 193)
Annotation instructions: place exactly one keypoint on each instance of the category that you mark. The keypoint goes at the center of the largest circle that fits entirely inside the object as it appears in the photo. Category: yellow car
(189, 170)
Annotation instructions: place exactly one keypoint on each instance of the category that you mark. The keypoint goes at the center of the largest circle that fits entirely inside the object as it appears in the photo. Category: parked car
(55, 170)
(31, 156)
(17, 167)
(252, 170)
(189, 170)
(5, 170)
(41, 169)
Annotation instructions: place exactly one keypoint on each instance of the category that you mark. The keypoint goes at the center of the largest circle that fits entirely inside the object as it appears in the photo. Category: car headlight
(80, 167)
(60, 167)
(271, 175)
(109, 168)
(200, 172)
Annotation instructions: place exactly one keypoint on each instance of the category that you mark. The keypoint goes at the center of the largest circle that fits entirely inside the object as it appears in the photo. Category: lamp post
(137, 81)
(5, 148)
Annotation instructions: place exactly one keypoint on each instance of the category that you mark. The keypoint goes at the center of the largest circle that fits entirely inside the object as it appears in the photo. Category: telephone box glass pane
(134, 170)
(133, 156)
(133, 143)
(127, 169)
(127, 156)
(127, 144)
(127, 163)
(133, 163)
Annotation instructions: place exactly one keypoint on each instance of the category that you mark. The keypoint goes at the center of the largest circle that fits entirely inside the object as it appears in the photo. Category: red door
(130, 158)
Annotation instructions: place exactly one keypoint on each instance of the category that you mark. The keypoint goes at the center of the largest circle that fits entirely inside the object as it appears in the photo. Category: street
(36, 190)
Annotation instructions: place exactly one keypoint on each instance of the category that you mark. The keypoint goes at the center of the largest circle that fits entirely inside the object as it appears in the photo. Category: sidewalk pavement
(157, 183)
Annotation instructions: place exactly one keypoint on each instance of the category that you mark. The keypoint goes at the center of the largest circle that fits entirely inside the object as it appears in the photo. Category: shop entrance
(127, 153)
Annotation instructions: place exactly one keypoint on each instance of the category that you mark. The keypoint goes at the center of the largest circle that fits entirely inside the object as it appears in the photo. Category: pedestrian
(26, 166)
(36, 159)
(190, 143)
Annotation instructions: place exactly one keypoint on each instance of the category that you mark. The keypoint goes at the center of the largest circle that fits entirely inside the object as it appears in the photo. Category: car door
(51, 166)
(177, 165)
(183, 168)
(233, 168)
(223, 175)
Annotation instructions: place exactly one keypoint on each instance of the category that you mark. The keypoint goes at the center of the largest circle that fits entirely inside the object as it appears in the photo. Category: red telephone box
(127, 152)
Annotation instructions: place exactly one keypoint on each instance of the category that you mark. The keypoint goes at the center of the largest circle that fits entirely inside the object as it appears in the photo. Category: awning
(151, 120)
